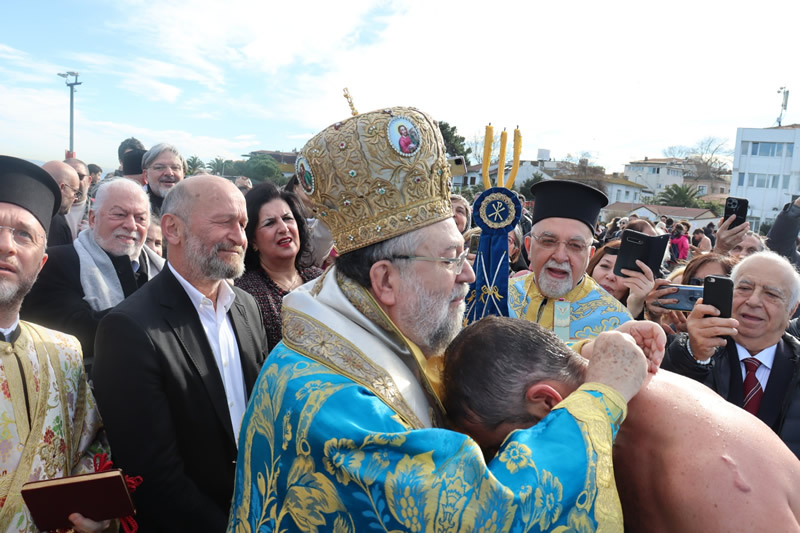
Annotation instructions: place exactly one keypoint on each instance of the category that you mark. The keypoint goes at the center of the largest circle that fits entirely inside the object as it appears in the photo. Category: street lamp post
(71, 86)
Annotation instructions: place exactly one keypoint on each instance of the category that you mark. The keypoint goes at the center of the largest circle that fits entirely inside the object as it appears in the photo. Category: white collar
(225, 295)
(765, 356)
(8, 331)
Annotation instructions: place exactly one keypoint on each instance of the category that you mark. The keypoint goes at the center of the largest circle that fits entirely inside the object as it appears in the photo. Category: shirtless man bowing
(684, 459)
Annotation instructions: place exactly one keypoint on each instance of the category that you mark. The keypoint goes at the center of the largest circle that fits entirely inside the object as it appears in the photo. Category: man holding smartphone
(749, 359)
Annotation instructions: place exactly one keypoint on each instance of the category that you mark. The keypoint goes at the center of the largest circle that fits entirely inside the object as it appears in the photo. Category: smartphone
(636, 245)
(718, 291)
(458, 166)
(687, 296)
(738, 207)
(474, 242)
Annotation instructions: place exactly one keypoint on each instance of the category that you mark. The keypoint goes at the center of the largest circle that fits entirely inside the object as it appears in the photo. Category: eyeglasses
(455, 264)
(162, 168)
(23, 237)
(551, 243)
(76, 192)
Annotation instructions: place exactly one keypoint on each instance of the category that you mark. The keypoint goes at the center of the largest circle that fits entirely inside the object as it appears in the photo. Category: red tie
(752, 388)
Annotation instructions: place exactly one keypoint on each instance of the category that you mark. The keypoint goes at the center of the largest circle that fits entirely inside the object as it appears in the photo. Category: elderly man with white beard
(558, 294)
(82, 281)
(345, 430)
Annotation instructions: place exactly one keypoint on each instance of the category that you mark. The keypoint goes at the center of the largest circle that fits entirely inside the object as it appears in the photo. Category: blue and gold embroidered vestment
(591, 309)
(341, 435)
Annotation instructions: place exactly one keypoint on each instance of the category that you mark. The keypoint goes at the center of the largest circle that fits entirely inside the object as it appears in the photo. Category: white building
(656, 174)
(526, 170)
(766, 170)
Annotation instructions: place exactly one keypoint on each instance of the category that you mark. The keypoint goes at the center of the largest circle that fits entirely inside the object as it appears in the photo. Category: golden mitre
(376, 176)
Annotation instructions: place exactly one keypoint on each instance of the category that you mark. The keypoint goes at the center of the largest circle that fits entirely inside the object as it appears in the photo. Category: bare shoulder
(692, 450)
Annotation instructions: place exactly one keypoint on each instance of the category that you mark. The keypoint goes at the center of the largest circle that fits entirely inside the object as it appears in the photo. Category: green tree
(261, 167)
(195, 165)
(525, 186)
(453, 142)
(679, 196)
(472, 192)
(217, 166)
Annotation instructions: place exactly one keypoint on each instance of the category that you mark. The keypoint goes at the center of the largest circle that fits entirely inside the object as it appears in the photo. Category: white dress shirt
(5, 333)
(767, 358)
(219, 331)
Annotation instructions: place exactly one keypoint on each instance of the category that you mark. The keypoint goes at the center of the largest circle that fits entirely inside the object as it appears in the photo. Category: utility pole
(71, 86)
(785, 92)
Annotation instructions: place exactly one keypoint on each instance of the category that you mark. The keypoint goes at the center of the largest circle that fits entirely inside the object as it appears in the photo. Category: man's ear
(528, 244)
(540, 399)
(591, 252)
(384, 282)
(92, 218)
(171, 229)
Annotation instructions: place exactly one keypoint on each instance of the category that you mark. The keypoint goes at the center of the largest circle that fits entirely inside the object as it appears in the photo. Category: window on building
(745, 147)
(619, 195)
(472, 180)
(761, 181)
(701, 189)
(751, 180)
(753, 148)
(775, 181)
(766, 149)
(789, 149)
(654, 170)
(785, 182)
(741, 179)
(627, 194)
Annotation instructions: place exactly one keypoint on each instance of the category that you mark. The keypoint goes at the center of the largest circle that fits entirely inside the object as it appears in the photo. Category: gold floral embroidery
(308, 336)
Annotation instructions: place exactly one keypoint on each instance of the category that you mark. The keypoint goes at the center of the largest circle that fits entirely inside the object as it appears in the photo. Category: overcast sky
(620, 80)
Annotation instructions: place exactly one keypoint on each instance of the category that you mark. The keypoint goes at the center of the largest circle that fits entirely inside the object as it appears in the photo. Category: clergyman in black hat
(558, 294)
(41, 368)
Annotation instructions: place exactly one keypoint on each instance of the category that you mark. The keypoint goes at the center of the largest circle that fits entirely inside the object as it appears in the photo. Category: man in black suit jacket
(175, 364)
(766, 294)
(82, 281)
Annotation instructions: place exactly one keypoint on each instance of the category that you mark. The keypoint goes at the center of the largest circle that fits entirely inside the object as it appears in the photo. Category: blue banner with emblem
(496, 212)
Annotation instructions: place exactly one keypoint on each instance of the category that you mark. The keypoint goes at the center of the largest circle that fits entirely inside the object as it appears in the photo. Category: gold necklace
(293, 283)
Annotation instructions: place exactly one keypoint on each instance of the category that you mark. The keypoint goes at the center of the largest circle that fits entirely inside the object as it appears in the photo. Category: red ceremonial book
(99, 496)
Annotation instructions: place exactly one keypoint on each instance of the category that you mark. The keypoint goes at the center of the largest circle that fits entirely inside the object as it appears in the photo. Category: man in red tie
(749, 359)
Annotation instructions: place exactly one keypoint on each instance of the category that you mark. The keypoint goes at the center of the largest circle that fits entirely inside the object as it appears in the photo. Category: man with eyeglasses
(164, 166)
(77, 216)
(558, 294)
(749, 359)
(69, 184)
(345, 428)
(51, 425)
(108, 262)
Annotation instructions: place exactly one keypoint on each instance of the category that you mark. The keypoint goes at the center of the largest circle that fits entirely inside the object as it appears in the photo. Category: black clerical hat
(132, 162)
(30, 187)
(567, 199)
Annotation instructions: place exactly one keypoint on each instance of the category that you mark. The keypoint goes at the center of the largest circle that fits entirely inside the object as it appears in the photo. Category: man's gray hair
(153, 153)
(791, 272)
(758, 236)
(357, 264)
(105, 187)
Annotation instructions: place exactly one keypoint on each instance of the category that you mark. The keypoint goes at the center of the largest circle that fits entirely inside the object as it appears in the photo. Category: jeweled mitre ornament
(377, 175)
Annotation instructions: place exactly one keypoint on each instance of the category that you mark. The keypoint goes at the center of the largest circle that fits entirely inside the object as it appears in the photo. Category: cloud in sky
(621, 80)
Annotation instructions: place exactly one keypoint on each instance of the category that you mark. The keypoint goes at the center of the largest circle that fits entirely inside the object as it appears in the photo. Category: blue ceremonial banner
(496, 212)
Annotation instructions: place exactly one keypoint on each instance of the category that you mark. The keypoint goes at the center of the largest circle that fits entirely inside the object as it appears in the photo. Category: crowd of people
(294, 358)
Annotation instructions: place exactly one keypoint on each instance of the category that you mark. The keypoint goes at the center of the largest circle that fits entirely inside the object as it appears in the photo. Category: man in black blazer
(765, 295)
(175, 364)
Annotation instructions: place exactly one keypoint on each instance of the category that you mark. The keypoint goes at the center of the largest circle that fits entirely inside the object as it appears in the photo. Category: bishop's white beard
(432, 321)
(552, 287)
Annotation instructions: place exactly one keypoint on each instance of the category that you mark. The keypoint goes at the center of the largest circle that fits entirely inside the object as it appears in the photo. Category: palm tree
(679, 196)
(195, 164)
(217, 166)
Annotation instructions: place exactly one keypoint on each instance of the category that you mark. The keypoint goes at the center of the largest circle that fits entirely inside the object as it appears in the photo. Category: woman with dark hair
(278, 256)
(631, 289)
